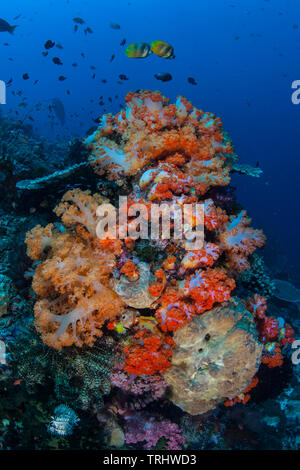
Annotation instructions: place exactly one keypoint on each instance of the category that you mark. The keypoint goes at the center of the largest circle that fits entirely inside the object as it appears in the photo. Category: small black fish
(101, 103)
(62, 78)
(92, 67)
(45, 53)
(104, 80)
(109, 99)
(68, 92)
(88, 30)
(112, 58)
(163, 76)
(25, 76)
(82, 55)
(59, 46)
(6, 27)
(257, 164)
(5, 44)
(78, 20)
(57, 61)
(74, 64)
(123, 77)
(192, 81)
(76, 28)
(9, 81)
(115, 26)
(49, 44)
(35, 82)
(93, 76)
(123, 42)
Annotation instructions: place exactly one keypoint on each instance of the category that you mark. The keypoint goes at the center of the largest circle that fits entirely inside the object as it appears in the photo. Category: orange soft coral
(73, 283)
(130, 270)
(37, 240)
(157, 286)
(214, 217)
(79, 207)
(147, 354)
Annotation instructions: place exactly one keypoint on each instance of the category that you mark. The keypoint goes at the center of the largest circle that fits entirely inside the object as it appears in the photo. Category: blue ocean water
(244, 56)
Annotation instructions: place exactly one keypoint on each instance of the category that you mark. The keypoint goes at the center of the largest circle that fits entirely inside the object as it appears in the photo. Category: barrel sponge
(216, 357)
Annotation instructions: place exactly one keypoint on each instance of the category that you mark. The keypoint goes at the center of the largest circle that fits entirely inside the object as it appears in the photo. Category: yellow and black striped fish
(138, 50)
(162, 49)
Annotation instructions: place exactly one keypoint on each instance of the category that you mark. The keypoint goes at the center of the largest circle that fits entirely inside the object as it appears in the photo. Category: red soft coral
(173, 313)
(147, 354)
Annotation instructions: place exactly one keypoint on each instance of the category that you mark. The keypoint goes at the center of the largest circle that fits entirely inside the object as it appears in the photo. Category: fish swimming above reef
(78, 20)
(138, 50)
(49, 44)
(6, 27)
(162, 49)
(57, 61)
(192, 81)
(59, 110)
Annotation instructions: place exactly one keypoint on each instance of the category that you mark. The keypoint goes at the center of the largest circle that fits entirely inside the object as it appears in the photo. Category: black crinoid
(76, 376)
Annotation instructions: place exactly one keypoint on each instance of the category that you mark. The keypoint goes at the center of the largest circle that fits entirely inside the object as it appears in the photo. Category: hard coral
(215, 358)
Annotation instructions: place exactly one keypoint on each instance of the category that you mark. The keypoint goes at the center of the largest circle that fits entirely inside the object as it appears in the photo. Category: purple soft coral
(141, 427)
(154, 385)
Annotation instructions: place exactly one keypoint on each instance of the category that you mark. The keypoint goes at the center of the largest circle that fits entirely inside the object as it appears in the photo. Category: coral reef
(140, 336)
(215, 358)
(150, 129)
(80, 377)
(257, 279)
(148, 430)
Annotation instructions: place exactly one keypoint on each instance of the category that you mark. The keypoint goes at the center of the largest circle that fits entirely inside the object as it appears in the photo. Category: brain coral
(216, 357)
